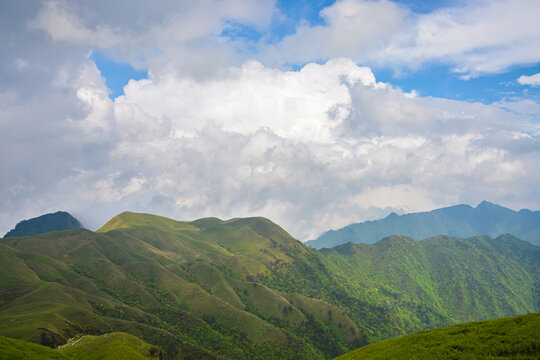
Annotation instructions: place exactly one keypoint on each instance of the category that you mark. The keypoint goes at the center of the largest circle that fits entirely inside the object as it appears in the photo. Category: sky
(315, 114)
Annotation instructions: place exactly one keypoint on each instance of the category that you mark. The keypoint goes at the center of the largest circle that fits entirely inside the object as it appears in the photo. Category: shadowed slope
(60, 220)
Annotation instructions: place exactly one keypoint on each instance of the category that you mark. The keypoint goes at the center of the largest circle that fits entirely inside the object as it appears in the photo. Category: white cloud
(180, 34)
(212, 134)
(475, 37)
(533, 80)
(307, 104)
(352, 28)
(61, 24)
(262, 141)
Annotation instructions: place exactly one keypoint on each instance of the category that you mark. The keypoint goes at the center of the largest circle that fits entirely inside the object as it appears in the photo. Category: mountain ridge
(244, 288)
(458, 220)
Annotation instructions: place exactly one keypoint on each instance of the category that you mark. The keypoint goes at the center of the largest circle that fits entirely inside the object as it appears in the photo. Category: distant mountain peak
(459, 221)
(487, 204)
(59, 220)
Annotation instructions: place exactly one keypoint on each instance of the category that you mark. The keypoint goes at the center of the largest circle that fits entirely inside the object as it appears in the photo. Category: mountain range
(459, 221)
(245, 289)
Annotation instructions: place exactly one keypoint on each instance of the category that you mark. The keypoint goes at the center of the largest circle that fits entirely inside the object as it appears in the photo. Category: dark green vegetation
(441, 280)
(510, 338)
(111, 346)
(245, 289)
(460, 221)
(49, 222)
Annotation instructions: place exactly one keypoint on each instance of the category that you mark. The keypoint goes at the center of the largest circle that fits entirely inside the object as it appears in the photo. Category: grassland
(112, 346)
(245, 289)
(509, 338)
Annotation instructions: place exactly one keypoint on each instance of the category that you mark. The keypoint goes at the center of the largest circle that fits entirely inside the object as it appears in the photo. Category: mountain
(111, 346)
(60, 220)
(245, 289)
(190, 287)
(443, 280)
(509, 338)
(459, 221)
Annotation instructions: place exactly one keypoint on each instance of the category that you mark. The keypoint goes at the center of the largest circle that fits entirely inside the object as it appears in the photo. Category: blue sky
(315, 114)
(431, 79)
(116, 74)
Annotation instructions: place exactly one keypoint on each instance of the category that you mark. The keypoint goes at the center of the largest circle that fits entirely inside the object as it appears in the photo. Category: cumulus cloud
(533, 80)
(307, 104)
(312, 149)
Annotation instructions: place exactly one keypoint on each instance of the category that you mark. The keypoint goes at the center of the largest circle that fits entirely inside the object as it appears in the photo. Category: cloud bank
(218, 132)
(310, 149)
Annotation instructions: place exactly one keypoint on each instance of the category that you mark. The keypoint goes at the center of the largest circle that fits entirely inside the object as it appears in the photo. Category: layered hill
(190, 287)
(245, 289)
(459, 221)
(509, 338)
(60, 220)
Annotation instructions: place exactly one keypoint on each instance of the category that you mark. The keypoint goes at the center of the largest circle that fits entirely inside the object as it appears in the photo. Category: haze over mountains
(245, 289)
(460, 221)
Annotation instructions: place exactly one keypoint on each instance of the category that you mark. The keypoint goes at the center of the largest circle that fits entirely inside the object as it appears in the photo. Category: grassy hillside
(245, 289)
(442, 280)
(509, 338)
(188, 287)
(459, 221)
(12, 349)
(112, 346)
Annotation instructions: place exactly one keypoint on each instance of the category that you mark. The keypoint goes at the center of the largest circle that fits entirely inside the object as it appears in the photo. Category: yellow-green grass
(244, 288)
(129, 219)
(111, 346)
(508, 338)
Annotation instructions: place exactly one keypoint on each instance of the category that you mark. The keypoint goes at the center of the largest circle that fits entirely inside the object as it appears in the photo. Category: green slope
(459, 221)
(245, 289)
(441, 280)
(188, 287)
(112, 346)
(509, 338)
(12, 349)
